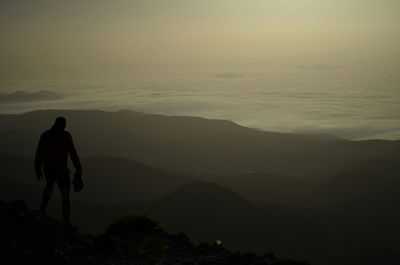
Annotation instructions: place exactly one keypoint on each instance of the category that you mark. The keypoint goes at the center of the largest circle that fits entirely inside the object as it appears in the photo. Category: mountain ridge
(192, 145)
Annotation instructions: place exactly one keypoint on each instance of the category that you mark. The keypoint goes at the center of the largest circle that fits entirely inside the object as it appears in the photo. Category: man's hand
(39, 174)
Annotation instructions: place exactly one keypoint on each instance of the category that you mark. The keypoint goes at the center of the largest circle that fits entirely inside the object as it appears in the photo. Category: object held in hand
(77, 182)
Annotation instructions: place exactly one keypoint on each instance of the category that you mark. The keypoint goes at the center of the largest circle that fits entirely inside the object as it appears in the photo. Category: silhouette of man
(51, 159)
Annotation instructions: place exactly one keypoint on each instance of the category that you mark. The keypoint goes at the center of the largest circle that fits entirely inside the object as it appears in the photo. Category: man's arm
(73, 154)
(39, 158)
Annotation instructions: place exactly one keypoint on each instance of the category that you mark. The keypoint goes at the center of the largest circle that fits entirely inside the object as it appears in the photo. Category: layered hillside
(194, 145)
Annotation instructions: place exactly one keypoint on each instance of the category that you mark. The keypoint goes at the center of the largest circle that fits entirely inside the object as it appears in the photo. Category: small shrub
(133, 226)
(151, 250)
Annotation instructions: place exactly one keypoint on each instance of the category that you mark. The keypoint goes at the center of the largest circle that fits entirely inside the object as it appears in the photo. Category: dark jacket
(53, 149)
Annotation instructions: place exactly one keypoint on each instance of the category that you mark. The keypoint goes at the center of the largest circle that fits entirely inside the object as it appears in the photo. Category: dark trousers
(61, 177)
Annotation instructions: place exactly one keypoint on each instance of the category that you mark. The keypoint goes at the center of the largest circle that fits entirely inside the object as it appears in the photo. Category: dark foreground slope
(355, 213)
(29, 238)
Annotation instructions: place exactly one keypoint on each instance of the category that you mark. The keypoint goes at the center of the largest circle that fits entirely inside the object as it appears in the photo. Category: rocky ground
(33, 238)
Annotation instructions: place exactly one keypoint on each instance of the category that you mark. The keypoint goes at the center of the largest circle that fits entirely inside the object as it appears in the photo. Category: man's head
(60, 123)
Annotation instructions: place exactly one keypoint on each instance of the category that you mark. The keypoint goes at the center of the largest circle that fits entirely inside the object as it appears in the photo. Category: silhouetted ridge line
(194, 145)
(205, 193)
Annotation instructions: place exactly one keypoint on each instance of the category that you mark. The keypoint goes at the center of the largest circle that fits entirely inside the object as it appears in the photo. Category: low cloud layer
(348, 103)
(22, 96)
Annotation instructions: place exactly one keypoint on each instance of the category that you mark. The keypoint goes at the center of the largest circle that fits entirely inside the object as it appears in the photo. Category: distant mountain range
(194, 145)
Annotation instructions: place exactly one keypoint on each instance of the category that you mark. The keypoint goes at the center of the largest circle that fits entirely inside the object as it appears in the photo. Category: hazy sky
(45, 37)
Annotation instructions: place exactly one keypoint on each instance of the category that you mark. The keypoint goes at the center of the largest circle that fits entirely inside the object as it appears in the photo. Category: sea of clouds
(319, 99)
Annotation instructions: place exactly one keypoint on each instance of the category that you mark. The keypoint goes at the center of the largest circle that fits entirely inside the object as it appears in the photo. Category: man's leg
(64, 185)
(66, 206)
(48, 190)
